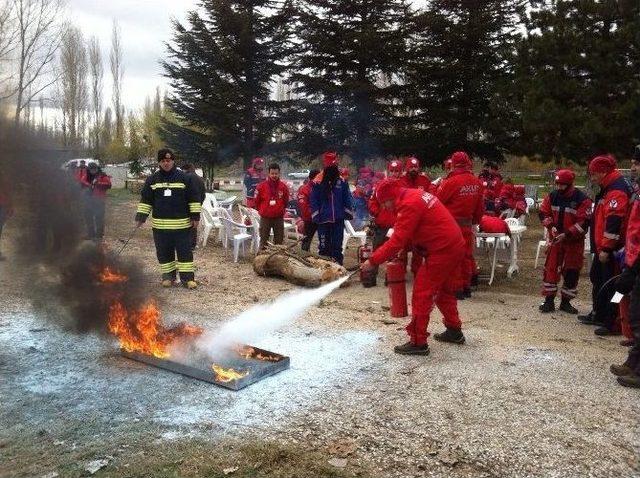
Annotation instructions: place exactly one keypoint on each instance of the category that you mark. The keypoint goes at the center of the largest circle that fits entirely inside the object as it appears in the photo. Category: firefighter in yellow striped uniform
(173, 202)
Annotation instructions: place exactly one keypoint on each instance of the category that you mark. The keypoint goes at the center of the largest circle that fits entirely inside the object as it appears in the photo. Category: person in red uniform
(383, 218)
(413, 178)
(519, 200)
(254, 176)
(629, 283)
(96, 184)
(608, 227)
(461, 193)
(505, 202)
(272, 197)
(304, 204)
(423, 221)
(492, 183)
(565, 213)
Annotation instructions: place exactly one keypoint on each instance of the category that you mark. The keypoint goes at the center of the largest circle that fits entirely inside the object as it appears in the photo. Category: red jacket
(304, 198)
(632, 245)
(609, 222)
(506, 198)
(81, 175)
(421, 181)
(98, 184)
(461, 193)
(568, 211)
(494, 225)
(424, 223)
(272, 198)
(383, 217)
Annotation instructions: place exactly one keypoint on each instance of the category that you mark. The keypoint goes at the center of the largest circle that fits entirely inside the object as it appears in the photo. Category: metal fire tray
(200, 367)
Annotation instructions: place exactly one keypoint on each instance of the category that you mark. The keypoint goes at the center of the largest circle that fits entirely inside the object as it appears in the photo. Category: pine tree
(579, 75)
(221, 65)
(459, 77)
(345, 75)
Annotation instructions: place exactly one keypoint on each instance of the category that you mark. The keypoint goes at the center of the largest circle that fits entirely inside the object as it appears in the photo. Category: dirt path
(529, 395)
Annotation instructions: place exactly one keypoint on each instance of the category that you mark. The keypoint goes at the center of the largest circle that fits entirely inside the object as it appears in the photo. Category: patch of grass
(121, 194)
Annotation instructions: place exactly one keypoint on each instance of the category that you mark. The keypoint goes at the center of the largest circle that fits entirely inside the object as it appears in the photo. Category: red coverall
(564, 212)
(493, 224)
(461, 193)
(632, 306)
(421, 182)
(608, 229)
(423, 221)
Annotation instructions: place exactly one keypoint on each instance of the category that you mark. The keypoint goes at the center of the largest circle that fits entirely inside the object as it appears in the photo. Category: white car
(75, 163)
(304, 174)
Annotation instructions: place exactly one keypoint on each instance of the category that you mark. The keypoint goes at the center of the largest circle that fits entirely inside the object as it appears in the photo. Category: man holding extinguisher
(423, 221)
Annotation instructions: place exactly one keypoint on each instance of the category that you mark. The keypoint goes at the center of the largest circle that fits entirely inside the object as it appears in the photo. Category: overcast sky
(145, 26)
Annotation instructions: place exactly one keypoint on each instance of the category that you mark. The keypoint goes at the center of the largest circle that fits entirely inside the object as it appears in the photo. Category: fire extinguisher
(368, 278)
(396, 282)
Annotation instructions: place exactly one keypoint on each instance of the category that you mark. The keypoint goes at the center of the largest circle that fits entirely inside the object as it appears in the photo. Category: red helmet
(565, 176)
(394, 166)
(412, 163)
(602, 164)
(258, 163)
(330, 158)
(461, 160)
(344, 173)
(387, 190)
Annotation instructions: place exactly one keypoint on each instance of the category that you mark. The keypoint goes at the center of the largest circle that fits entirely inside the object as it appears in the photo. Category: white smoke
(252, 324)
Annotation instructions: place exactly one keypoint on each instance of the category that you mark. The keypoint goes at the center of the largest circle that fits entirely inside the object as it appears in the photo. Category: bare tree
(117, 74)
(74, 92)
(39, 32)
(8, 33)
(96, 71)
(107, 128)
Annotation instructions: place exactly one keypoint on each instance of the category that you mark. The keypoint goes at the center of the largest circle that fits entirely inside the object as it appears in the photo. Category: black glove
(626, 281)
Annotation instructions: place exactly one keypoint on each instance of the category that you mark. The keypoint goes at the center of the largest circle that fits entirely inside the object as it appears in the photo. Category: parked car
(304, 174)
(75, 163)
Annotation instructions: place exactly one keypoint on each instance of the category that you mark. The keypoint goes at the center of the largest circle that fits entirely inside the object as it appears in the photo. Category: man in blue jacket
(331, 204)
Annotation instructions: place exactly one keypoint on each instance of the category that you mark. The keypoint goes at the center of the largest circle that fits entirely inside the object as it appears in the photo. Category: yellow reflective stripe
(144, 208)
(170, 223)
(195, 207)
(168, 186)
(186, 267)
(168, 267)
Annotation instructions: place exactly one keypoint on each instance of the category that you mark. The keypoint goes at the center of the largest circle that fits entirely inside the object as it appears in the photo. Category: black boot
(548, 305)
(590, 319)
(565, 306)
(605, 331)
(454, 336)
(632, 381)
(474, 280)
(411, 349)
(621, 370)
(460, 295)
(466, 292)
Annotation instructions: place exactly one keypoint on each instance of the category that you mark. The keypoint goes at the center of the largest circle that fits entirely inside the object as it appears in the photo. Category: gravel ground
(528, 395)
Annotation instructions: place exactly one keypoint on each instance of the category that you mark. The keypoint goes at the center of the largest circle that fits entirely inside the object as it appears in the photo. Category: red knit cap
(330, 158)
(258, 162)
(387, 190)
(565, 176)
(394, 167)
(461, 160)
(602, 164)
(411, 163)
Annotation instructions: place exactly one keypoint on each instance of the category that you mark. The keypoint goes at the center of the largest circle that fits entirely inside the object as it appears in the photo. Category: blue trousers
(330, 236)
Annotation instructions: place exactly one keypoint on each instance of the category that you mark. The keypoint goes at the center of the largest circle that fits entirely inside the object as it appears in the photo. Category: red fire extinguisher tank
(396, 283)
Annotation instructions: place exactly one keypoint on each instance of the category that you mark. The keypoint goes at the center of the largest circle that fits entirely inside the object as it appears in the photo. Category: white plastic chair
(350, 232)
(228, 203)
(235, 230)
(530, 204)
(210, 201)
(541, 244)
(209, 222)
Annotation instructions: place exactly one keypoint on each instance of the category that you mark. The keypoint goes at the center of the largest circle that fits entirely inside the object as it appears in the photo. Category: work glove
(626, 281)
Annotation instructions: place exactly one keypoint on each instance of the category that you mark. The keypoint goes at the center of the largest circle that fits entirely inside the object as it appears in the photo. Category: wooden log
(278, 261)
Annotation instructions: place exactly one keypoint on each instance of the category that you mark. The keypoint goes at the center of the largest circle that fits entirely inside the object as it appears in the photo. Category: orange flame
(226, 375)
(141, 330)
(248, 352)
(110, 277)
